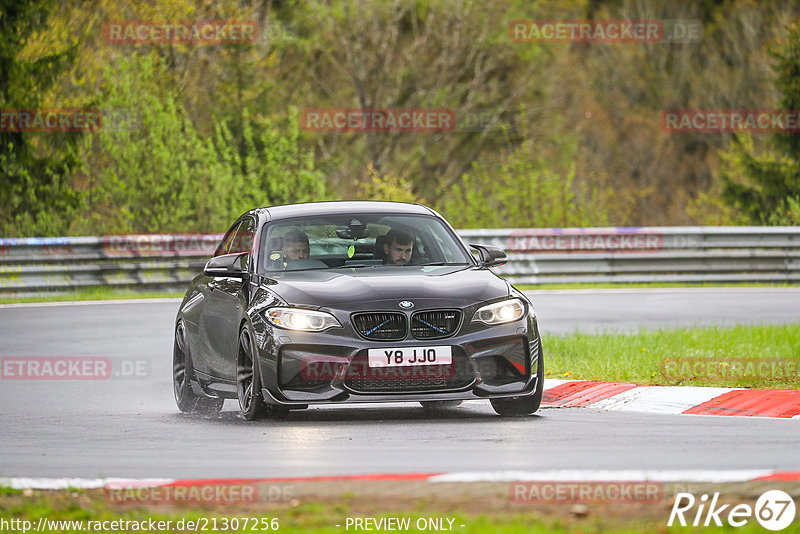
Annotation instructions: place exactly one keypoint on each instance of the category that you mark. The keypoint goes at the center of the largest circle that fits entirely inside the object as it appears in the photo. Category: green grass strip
(765, 356)
(98, 293)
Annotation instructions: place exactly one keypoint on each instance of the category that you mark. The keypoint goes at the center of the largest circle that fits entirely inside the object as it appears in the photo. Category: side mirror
(232, 265)
(490, 256)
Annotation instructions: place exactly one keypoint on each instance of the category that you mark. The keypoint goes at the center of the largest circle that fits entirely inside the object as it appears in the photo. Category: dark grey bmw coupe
(341, 302)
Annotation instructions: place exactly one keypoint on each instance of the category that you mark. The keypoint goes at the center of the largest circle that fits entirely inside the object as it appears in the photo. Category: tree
(155, 172)
(387, 187)
(267, 165)
(767, 186)
(35, 191)
(423, 54)
(523, 193)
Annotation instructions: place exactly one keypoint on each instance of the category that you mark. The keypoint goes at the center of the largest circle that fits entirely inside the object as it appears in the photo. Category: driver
(398, 247)
(295, 247)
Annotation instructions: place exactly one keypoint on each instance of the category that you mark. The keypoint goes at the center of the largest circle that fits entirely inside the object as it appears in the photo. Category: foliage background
(571, 138)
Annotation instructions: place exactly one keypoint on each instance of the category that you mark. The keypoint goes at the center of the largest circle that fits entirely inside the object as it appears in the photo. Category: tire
(183, 374)
(439, 405)
(516, 406)
(248, 382)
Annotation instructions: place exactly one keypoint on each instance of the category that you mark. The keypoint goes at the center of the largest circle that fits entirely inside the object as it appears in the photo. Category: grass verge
(96, 293)
(108, 293)
(650, 285)
(766, 356)
(461, 508)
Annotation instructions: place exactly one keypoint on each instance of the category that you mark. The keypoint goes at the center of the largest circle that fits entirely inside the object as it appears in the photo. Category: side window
(243, 242)
(225, 244)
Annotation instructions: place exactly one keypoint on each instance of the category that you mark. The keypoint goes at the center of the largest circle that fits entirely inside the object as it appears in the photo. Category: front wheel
(182, 375)
(528, 404)
(248, 382)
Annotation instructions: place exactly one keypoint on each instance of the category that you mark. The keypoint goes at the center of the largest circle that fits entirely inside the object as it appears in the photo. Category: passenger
(398, 246)
(295, 247)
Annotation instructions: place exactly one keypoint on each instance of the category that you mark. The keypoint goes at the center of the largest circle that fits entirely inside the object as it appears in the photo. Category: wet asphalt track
(130, 427)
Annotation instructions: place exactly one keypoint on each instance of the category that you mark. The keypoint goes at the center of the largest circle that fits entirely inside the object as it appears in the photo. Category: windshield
(359, 240)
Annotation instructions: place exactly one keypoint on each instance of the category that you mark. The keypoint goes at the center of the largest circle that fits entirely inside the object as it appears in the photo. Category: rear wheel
(523, 405)
(248, 382)
(439, 405)
(182, 375)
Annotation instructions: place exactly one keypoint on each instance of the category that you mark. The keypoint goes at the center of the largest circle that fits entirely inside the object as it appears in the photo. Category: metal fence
(32, 266)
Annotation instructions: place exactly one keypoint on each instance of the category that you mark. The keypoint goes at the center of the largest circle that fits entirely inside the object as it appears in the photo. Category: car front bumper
(299, 368)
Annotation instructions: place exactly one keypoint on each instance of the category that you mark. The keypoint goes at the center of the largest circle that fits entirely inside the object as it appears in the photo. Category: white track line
(82, 483)
(603, 476)
(531, 291)
(623, 290)
(660, 399)
(90, 302)
(709, 476)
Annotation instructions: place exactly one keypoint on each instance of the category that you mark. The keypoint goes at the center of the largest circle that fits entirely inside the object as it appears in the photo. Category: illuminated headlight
(299, 319)
(505, 311)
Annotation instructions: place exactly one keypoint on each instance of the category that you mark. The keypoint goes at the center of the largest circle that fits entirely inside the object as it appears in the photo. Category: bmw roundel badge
(406, 304)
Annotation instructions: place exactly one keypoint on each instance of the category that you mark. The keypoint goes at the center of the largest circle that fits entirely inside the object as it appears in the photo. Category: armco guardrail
(30, 266)
(648, 254)
(33, 266)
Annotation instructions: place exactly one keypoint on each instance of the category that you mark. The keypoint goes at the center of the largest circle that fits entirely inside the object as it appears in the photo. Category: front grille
(381, 326)
(361, 378)
(435, 324)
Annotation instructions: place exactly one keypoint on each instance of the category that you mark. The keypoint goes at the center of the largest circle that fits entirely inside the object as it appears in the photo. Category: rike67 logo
(774, 510)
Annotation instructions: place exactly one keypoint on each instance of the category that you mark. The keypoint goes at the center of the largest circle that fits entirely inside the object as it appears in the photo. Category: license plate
(400, 356)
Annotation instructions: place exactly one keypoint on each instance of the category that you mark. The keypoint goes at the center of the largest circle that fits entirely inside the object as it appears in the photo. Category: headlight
(300, 319)
(501, 312)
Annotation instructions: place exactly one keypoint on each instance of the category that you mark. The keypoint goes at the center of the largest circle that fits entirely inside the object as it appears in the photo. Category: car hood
(369, 287)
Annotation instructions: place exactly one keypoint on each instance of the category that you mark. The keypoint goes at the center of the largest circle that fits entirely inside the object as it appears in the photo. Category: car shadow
(375, 414)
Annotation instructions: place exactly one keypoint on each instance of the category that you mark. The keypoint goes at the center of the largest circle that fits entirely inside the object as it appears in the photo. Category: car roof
(343, 207)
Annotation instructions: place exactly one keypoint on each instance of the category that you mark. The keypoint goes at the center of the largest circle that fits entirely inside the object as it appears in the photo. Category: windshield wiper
(438, 263)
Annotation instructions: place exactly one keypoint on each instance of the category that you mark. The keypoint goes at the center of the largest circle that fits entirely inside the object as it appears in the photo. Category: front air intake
(435, 324)
(381, 326)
